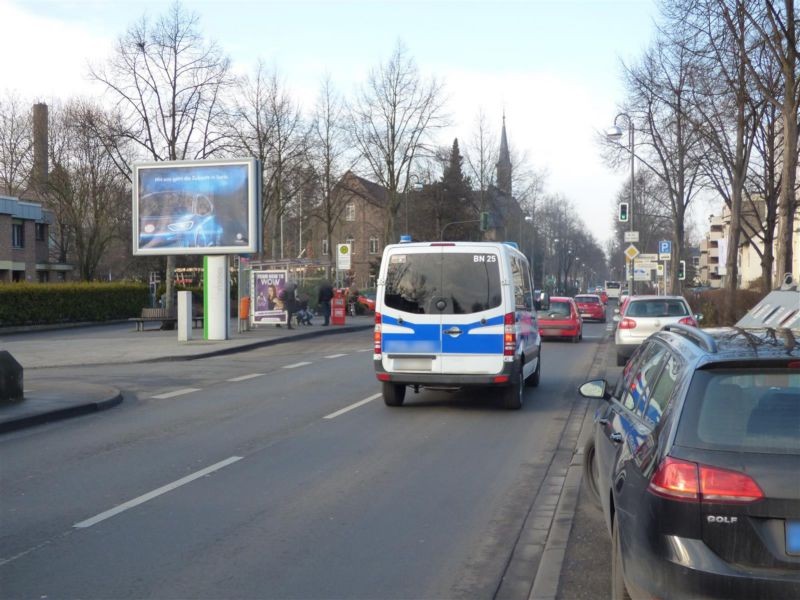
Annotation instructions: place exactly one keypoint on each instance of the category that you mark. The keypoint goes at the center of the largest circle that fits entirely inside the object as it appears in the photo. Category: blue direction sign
(664, 250)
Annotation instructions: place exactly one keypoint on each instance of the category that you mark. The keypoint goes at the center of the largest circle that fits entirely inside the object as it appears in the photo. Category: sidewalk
(120, 343)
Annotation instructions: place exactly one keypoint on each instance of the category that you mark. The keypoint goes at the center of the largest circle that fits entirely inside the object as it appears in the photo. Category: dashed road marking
(155, 493)
(335, 355)
(366, 350)
(174, 393)
(295, 365)
(245, 377)
(355, 405)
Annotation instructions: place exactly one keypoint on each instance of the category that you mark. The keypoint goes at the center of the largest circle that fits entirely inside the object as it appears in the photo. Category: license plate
(550, 332)
(792, 537)
(413, 364)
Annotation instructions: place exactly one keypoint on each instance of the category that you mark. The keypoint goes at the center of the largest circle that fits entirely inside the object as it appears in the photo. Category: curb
(548, 575)
(61, 414)
(255, 345)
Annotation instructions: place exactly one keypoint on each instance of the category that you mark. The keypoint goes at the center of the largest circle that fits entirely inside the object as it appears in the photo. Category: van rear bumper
(432, 379)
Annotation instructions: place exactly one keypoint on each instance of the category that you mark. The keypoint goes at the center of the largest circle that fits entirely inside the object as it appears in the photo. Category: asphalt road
(279, 473)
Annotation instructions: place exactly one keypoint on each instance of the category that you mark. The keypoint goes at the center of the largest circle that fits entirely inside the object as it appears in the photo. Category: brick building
(24, 243)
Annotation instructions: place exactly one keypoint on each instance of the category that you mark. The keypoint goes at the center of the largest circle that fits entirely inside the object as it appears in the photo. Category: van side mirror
(698, 318)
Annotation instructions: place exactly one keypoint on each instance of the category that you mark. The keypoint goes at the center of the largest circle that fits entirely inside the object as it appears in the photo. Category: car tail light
(688, 321)
(376, 335)
(721, 485)
(677, 480)
(510, 335)
(690, 482)
(627, 323)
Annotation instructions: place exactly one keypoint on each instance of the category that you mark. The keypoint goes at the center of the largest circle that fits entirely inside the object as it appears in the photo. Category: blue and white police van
(455, 314)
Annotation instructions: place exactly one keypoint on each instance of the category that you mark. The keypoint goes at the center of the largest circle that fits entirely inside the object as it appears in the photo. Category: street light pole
(615, 133)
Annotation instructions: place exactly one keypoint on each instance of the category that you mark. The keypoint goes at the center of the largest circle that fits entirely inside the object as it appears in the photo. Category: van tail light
(376, 335)
(688, 321)
(690, 482)
(510, 334)
(627, 323)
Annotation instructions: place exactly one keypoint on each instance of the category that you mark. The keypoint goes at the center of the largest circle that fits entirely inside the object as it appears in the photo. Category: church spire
(504, 162)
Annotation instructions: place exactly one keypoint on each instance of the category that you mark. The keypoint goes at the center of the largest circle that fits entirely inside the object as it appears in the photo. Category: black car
(695, 461)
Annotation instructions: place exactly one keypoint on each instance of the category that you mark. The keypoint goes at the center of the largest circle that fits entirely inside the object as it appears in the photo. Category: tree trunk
(787, 200)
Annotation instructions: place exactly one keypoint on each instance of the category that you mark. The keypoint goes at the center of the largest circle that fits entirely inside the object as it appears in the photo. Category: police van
(455, 314)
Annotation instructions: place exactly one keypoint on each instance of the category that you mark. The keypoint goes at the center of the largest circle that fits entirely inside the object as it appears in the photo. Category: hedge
(712, 303)
(42, 303)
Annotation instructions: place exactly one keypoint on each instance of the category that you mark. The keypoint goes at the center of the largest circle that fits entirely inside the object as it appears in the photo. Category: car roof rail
(700, 337)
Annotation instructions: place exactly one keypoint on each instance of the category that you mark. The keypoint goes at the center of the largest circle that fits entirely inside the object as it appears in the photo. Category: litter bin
(338, 310)
(244, 308)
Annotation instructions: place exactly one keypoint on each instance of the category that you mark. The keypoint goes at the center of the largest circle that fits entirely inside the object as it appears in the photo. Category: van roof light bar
(698, 336)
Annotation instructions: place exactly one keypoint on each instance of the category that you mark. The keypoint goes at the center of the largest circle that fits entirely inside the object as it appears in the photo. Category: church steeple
(504, 162)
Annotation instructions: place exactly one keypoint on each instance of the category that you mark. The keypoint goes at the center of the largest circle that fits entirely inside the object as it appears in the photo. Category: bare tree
(392, 119)
(481, 155)
(776, 24)
(327, 156)
(266, 123)
(86, 190)
(667, 139)
(16, 145)
(166, 81)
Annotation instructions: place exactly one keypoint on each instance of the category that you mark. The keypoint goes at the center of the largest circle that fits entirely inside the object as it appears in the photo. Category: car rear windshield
(558, 310)
(587, 299)
(657, 308)
(466, 282)
(743, 410)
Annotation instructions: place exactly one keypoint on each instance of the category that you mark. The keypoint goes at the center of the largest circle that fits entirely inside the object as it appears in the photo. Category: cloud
(55, 54)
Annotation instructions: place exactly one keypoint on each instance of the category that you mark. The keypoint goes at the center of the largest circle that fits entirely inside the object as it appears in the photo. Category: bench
(162, 315)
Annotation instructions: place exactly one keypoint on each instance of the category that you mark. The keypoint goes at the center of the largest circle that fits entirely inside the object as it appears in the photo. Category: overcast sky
(554, 66)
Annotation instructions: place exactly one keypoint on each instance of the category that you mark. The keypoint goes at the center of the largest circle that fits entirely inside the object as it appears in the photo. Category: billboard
(196, 207)
(266, 288)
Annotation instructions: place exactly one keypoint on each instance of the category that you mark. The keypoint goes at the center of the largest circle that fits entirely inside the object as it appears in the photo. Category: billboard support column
(216, 298)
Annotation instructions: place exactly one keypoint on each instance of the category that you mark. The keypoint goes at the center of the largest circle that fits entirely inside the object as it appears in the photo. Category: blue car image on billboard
(195, 228)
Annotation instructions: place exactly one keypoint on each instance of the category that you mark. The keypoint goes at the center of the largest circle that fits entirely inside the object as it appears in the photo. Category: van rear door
(411, 335)
(471, 309)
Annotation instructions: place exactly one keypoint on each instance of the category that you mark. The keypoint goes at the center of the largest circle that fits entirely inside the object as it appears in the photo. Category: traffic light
(484, 221)
(623, 212)
(682, 270)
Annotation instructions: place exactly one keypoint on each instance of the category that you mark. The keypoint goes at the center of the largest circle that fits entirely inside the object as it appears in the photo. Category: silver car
(644, 315)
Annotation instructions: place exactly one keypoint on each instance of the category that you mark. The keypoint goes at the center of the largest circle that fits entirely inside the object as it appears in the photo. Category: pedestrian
(290, 304)
(324, 298)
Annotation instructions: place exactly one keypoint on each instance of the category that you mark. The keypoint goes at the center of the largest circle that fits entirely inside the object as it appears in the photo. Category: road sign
(631, 252)
(651, 256)
(645, 264)
(343, 254)
(640, 274)
(660, 270)
(664, 250)
(631, 236)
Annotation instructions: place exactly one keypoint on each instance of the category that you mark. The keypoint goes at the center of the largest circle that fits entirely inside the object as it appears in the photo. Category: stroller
(303, 314)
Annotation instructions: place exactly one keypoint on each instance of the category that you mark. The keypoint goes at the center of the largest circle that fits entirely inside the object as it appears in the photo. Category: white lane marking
(366, 350)
(295, 365)
(333, 415)
(335, 355)
(155, 493)
(5, 561)
(246, 377)
(180, 392)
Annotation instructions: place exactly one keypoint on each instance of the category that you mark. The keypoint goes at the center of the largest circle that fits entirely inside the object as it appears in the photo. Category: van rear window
(743, 410)
(465, 284)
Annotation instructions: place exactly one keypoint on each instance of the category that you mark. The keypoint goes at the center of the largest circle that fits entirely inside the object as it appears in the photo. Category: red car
(590, 306)
(561, 320)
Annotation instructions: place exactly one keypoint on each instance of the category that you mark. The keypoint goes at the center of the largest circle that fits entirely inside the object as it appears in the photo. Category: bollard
(11, 386)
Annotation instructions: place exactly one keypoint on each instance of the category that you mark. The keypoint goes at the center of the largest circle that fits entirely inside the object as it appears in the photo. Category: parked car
(590, 306)
(367, 300)
(694, 460)
(643, 316)
(561, 320)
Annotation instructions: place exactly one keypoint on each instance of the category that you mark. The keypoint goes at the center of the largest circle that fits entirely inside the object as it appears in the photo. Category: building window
(350, 212)
(325, 248)
(41, 232)
(17, 234)
(352, 243)
(373, 245)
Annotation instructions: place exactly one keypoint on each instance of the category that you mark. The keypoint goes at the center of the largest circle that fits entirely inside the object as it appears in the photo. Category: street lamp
(615, 134)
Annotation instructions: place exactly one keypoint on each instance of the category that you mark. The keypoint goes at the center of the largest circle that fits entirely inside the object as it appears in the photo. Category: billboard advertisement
(196, 207)
(267, 303)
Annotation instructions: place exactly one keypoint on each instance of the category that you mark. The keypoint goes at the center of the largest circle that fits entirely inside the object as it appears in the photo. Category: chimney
(40, 145)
